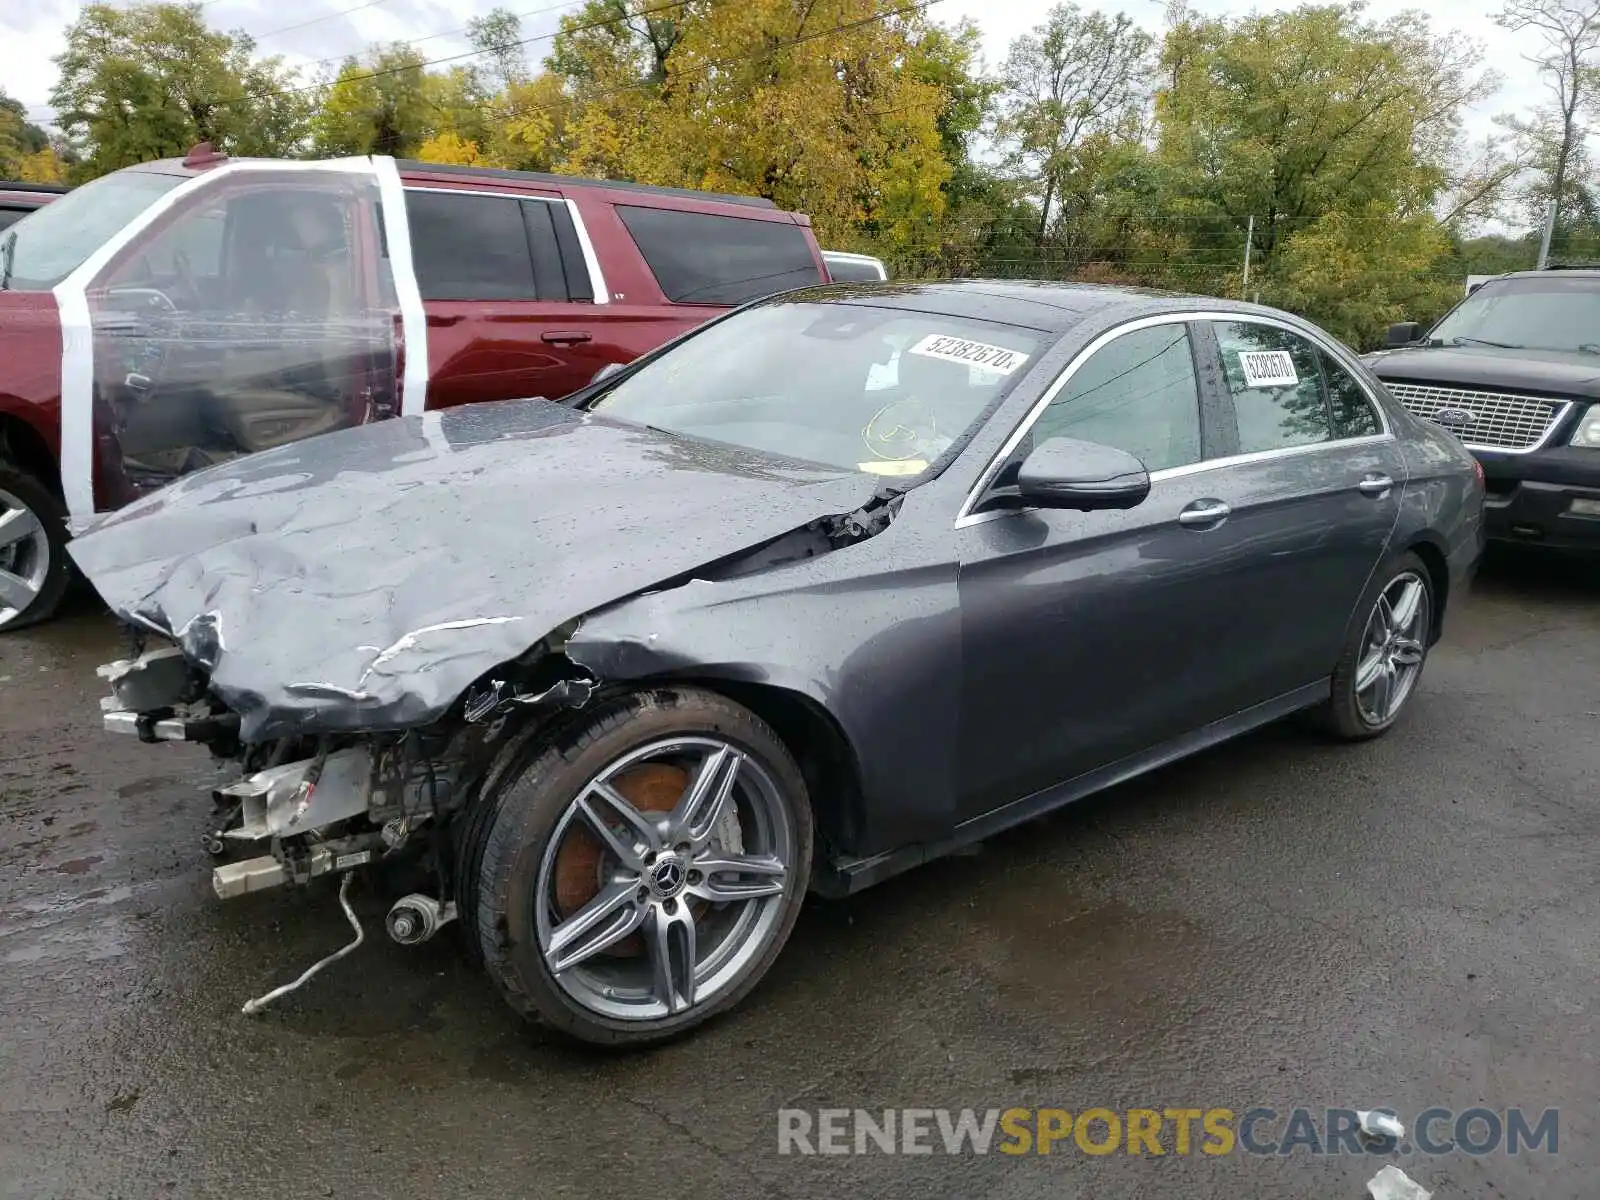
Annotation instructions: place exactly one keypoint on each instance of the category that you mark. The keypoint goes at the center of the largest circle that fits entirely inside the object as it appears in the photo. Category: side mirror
(1402, 334)
(1066, 473)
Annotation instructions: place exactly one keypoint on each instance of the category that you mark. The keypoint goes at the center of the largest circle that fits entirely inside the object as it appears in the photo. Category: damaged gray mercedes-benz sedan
(831, 586)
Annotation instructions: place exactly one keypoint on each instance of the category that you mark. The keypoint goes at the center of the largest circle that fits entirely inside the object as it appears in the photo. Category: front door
(1089, 636)
(257, 311)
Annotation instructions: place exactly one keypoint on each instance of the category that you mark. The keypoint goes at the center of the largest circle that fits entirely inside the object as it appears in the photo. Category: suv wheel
(34, 568)
(644, 871)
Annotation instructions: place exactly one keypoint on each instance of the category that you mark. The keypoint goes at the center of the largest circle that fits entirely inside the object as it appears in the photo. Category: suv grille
(1501, 421)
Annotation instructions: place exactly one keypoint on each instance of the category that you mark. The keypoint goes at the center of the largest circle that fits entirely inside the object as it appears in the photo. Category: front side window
(703, 258)
(806, 380)
(1276, 386)
(1554, 312)
(251, 315)
(52, 241)
(1137, 393)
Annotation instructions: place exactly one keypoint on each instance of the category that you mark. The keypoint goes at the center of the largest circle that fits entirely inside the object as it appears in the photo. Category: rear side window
(1353, 414)
(1276, 384)
(468, 247)
(701, 258)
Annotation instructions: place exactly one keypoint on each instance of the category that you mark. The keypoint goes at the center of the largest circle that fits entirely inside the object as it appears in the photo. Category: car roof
(1045, 306)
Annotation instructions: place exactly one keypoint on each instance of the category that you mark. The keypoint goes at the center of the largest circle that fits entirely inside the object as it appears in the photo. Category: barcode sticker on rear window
(995, 360)
(1268, 368)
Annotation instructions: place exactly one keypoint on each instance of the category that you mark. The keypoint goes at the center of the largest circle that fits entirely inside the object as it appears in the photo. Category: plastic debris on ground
(1392, 1183)
(1380, 1125)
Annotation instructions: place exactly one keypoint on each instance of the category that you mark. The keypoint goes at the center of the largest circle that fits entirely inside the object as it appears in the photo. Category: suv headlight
(1588, 431)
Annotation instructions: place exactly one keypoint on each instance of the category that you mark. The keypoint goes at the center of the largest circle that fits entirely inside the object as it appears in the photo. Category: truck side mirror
(1402, 334)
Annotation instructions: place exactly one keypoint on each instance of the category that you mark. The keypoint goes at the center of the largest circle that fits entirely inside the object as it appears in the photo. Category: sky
(313, 33)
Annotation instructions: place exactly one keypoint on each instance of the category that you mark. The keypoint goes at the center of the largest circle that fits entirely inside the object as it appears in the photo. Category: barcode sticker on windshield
(1268, 368)
(995, 360)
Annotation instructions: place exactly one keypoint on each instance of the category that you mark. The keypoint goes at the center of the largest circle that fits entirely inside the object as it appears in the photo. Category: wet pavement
(1282, 921)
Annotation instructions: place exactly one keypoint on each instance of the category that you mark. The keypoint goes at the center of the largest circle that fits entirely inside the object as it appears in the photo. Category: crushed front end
(299, 807)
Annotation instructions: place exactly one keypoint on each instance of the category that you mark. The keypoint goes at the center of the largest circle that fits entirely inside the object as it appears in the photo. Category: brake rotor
(649, 787)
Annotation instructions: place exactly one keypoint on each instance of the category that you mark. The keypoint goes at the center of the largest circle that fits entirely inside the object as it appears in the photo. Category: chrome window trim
(966, 517)
(591, 262)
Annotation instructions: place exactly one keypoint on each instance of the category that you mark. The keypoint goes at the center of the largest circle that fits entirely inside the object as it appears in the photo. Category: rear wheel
(645, 870)
(34, 568)
(1384, 654)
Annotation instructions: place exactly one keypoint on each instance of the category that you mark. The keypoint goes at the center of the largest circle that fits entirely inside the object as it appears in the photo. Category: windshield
(844, 385)
(52, 241)
(1552, 313)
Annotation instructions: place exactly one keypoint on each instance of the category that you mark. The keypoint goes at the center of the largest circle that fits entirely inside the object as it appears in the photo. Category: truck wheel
(34, 567)
(643, 872)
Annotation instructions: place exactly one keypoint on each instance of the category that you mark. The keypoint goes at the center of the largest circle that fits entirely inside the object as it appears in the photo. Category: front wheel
(643, 872)
(1384, 654)
(34, 569)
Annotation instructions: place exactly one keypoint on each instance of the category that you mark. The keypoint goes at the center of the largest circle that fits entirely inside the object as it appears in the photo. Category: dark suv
(1514, 372)
(174, 315)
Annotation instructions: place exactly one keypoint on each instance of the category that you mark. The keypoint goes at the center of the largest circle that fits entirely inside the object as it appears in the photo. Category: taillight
(1477, 471)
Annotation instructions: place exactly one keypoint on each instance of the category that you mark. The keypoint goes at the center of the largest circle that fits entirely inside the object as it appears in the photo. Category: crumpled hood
(364, 579)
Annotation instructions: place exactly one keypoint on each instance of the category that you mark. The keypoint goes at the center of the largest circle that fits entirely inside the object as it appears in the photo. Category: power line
(434, 62)
(567, 5)
(343, 12)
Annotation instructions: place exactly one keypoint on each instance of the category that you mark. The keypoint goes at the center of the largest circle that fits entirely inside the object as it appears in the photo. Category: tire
(1351, 712)
(37, 566)
(534, 858)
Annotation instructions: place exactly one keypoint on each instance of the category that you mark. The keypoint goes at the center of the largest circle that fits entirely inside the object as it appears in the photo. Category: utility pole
(1549, 228)
(1249, 239)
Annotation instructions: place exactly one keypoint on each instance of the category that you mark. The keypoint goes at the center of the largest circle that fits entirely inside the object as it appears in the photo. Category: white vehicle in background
(844, 267)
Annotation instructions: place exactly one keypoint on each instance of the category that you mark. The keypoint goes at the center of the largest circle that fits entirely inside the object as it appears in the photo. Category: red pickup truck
(176, 314)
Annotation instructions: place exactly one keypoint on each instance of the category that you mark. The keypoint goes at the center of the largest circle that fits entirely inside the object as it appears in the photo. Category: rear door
(1304, 501)
(507, 292)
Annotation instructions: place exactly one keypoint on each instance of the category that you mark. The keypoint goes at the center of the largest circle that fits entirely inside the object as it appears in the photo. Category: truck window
(702, 258)
(468, 247)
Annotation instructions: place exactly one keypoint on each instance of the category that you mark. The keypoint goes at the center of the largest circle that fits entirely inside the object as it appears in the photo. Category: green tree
(20, 139)
(1076, 87)
(377, 105)
(1325, 128)
(150, 81)
(497, 37)
(1569, 63)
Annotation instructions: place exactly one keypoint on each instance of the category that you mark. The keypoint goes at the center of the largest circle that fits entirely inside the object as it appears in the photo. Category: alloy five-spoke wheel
(1393, 649)
(683, 899)
(1384, 652)
(642, 872)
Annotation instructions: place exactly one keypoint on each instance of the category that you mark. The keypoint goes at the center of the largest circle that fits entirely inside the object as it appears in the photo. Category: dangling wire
(254, 1006)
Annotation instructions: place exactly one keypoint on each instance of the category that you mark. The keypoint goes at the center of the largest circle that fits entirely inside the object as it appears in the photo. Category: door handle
(559, 337)
(1204, 514)
(1375, 485)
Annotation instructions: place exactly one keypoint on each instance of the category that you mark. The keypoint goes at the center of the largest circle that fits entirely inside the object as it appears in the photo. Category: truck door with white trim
(259, 309)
